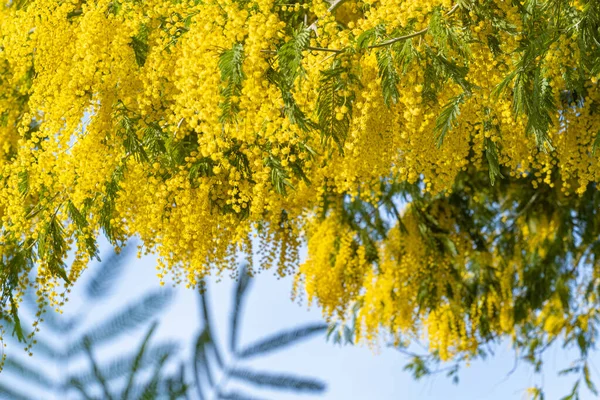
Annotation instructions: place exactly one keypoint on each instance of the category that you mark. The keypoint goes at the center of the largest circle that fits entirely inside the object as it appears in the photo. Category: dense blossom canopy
(437, 156)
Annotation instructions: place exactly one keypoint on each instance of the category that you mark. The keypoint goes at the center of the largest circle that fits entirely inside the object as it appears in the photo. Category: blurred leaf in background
(214, 368)
(64, 363)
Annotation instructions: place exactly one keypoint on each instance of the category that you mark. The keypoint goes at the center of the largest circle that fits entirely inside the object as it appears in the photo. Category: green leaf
(491, 155)
(109, 198)
(447, 119)
(445, 36)
(81, 223)
(52, 247)
(596, 143)
(23, 182)
(290, 56)
(139, 43)
(14, 313)
(281, 340)
(335, 94)
(279, 176)
(367, 38)
(588, 381)
(150, 391)
(232, 76)
(97, 372)
(202, 371)
(206, 319)
(389, 76)
(154, 140)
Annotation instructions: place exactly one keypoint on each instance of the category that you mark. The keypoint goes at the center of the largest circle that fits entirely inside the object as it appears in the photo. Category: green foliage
(279, 176)
(447, 119)
(494, 222)
(491, 154)
(290, 74)
(232, 76)
(447, 37)
(389, 76)
(336, 93)
(139, 43)
(82, 225)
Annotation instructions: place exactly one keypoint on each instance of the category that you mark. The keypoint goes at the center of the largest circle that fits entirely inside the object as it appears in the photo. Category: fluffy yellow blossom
(195, 125)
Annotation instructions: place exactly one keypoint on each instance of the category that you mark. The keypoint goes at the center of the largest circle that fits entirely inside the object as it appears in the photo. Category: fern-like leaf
(137, 362)
(243, 284)
(103, 281)
(232, 76)
(235, 395)
(389, 76)
(447, 119)
(28, 373)
(278, 381)
(125, 321)
(491, 154)
(281, 340)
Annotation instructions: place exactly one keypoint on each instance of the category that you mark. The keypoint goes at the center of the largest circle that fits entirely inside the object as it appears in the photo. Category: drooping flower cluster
(198, 124)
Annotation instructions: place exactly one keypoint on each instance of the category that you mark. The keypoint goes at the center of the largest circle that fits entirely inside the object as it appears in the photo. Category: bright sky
(350, 372)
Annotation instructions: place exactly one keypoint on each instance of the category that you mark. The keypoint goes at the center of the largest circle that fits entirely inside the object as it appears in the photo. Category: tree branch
(382, 44)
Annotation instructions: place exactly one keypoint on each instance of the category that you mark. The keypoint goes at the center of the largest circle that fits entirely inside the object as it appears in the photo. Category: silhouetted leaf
(278, 381)
(120, 367)
(200, 364)
(103, 281)
(11, 394)
(150, 391)
(127, 320)
(280, 340)
(233, 395)
(240, 290)
(28, 373)
(137, 361)
(205, 313)
(97, 372)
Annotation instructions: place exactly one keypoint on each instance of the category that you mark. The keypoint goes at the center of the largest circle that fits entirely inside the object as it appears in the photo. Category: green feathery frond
(491, 154)
(334, 103)
(232, 77)
(139, 44)
(447, 119)
(389, 75)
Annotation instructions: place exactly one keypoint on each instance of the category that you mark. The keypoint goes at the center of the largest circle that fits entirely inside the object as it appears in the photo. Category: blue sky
(351, 372)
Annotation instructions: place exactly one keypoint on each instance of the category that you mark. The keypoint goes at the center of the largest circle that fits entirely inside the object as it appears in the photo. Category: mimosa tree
(438, 157)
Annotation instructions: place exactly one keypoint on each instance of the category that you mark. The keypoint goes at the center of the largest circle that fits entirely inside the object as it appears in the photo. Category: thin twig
(412, 35)
(387, 42)
(324, 49)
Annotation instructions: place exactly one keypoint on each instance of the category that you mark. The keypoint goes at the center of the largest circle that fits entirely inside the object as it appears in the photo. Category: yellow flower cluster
(134, 118)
